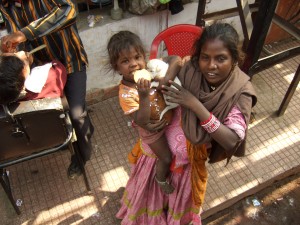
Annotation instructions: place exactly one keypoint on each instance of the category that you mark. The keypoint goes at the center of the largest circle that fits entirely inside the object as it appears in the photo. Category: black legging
(75, 91)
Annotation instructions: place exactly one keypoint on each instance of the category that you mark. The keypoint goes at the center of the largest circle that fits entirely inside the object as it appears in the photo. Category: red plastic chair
(178, 40)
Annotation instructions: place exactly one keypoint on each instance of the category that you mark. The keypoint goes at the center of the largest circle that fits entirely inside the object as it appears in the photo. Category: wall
(285, 9)
(101, 83)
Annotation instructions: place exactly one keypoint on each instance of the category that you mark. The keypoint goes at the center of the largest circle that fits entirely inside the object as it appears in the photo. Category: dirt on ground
(278, 204)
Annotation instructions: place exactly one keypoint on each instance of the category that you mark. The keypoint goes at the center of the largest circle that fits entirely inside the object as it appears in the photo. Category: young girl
(127, 55)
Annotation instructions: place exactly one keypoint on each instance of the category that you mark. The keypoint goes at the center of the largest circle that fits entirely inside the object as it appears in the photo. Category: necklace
(212, 88)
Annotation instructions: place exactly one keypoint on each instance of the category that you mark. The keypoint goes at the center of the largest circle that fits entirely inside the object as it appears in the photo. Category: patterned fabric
(17, 3)
(129, 101)
(236, 122)
(144, 203)
(50, 22)
(198, 156)
(176, 141)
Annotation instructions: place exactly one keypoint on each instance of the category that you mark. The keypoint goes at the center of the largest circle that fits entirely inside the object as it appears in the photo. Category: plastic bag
(142, 7)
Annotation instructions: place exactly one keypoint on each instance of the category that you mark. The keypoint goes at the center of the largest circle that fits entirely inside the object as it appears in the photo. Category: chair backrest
(178, 39)
(31, 129)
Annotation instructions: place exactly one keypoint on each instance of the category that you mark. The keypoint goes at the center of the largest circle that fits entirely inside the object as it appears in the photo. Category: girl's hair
(11, 78)
(121, 41)
(224, 32)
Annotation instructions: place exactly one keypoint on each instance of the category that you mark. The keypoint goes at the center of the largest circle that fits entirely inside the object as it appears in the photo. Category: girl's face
(26, 58)
(215, 62)
(128, 62)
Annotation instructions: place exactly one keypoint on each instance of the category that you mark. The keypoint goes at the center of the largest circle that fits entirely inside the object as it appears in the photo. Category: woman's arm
(223, 135)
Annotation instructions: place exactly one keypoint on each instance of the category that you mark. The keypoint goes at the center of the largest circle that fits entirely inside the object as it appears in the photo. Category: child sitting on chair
(18, 81)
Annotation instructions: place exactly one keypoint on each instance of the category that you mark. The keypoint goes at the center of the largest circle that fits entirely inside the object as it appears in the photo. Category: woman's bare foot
(165, 186)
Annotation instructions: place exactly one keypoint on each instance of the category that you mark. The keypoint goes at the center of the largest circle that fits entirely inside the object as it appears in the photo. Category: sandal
(166, 187)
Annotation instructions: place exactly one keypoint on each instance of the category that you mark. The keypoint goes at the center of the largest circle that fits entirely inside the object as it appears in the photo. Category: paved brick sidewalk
(276, 205)
(48, 197)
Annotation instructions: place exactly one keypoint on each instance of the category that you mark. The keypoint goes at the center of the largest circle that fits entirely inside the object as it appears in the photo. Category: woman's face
(129, 62)
(215, 62)
(26, 58)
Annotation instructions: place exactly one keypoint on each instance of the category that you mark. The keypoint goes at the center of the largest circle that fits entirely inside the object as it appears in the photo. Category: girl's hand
(143, 87)
(180, 95)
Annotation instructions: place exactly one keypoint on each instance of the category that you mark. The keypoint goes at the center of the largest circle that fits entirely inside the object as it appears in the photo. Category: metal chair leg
(74, 148)
(7, 188)
(290, 92)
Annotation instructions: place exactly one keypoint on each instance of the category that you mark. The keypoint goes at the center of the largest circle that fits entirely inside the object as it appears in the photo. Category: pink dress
(143, 202)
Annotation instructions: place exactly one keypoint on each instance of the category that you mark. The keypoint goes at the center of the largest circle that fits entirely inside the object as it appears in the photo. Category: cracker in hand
(142, 74)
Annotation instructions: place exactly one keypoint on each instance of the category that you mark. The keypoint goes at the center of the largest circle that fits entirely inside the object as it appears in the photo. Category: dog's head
(157, 68)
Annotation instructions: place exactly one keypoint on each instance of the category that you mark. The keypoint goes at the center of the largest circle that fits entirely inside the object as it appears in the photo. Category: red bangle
(212, 125)
(206, 121)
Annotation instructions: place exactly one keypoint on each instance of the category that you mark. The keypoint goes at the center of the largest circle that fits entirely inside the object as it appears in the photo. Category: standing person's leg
(75, 91)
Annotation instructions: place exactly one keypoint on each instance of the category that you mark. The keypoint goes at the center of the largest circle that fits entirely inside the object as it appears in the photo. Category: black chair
(31, 129)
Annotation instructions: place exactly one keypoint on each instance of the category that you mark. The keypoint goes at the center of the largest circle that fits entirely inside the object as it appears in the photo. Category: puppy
(157, 68)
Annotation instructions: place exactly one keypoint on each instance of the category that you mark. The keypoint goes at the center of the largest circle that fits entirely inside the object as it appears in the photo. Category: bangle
(212, 125)
(206, 121)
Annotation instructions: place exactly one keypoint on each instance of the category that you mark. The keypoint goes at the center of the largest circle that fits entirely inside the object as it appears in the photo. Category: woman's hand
(179, 95)
(161, 81)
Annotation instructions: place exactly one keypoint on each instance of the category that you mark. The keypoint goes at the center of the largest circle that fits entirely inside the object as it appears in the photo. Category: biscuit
(141, 74)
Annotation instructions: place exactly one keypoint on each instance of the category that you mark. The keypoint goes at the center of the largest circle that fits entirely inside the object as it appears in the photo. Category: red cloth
(55, 83)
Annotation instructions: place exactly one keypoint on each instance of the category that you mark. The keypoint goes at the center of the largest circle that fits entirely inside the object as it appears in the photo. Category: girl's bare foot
(165, 186)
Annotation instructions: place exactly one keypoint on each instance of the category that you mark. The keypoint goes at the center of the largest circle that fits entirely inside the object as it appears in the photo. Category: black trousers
(75, 91)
